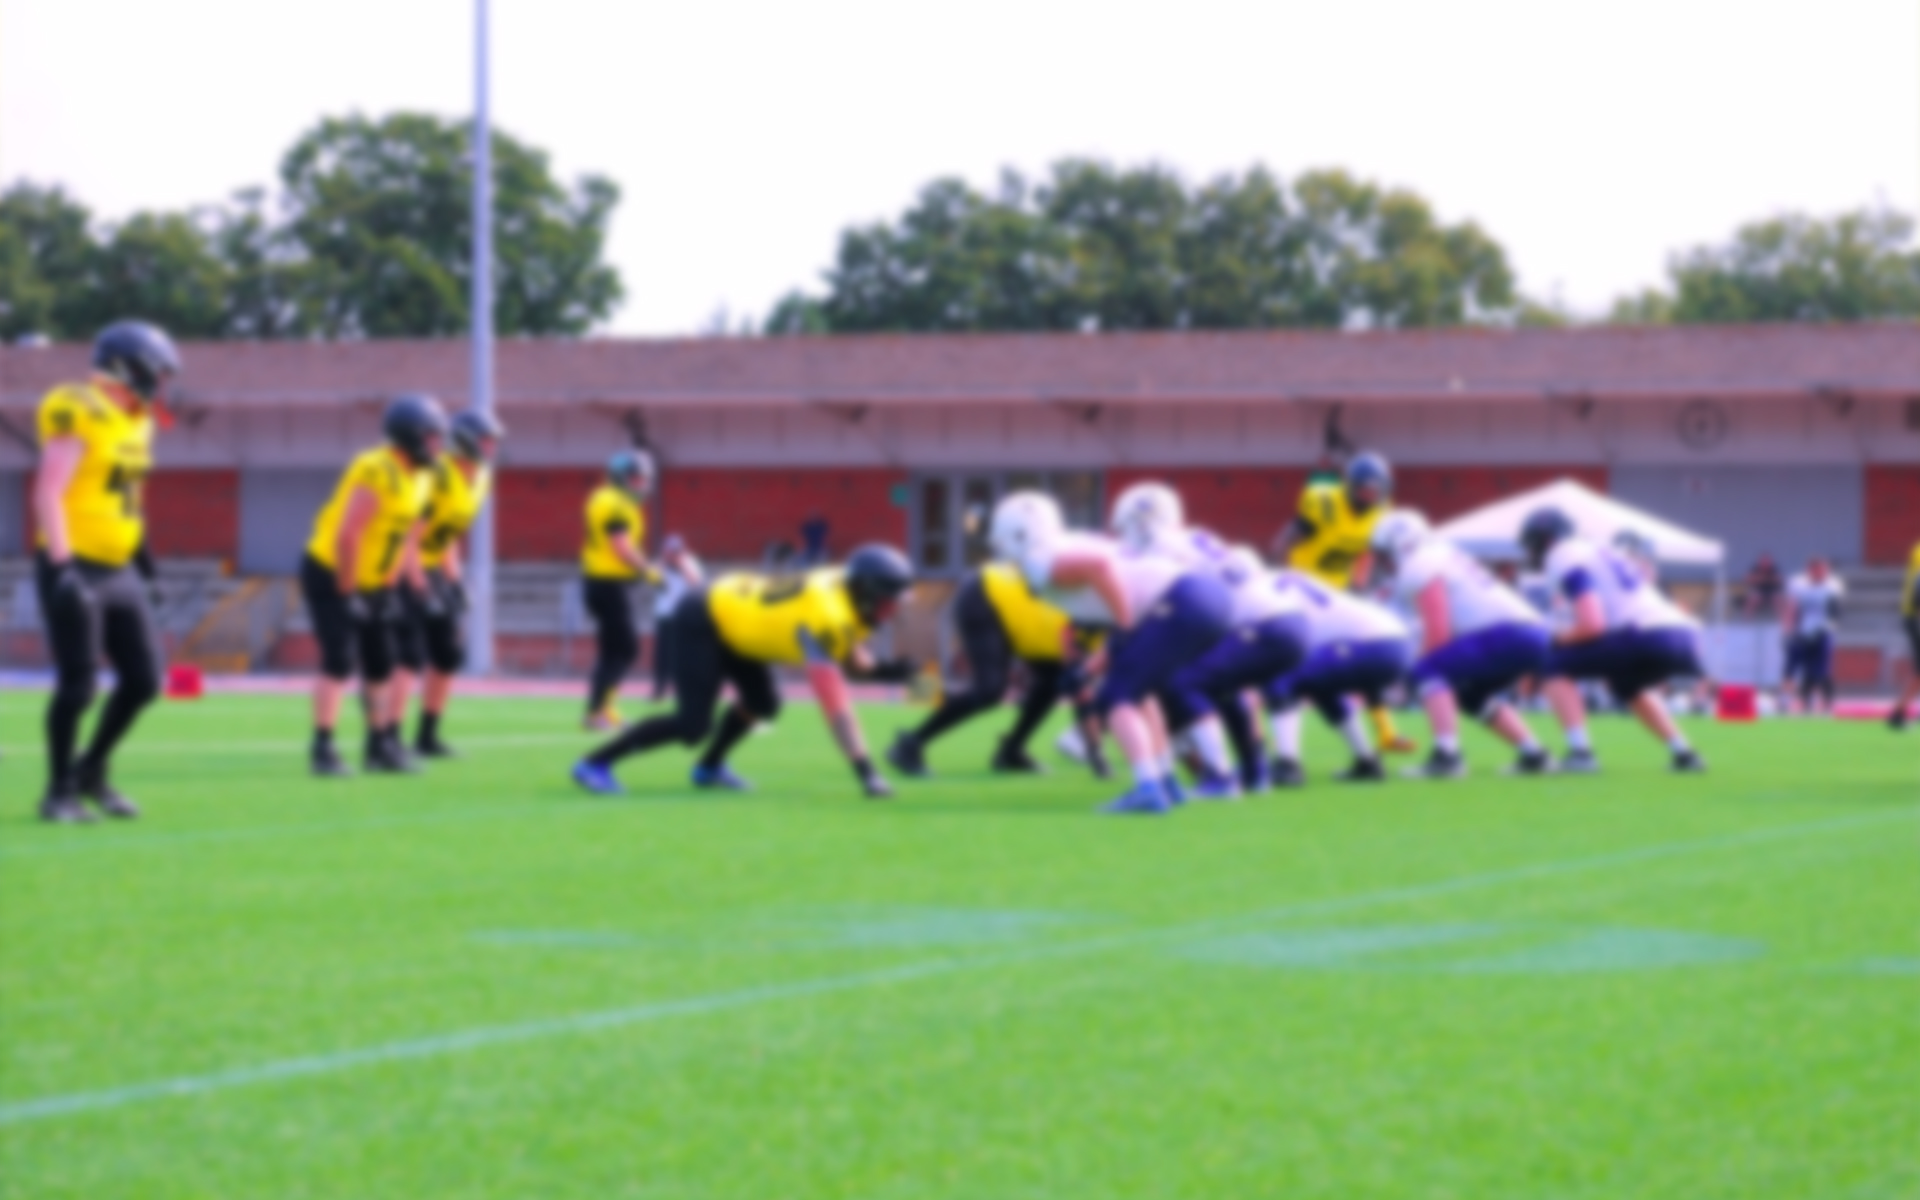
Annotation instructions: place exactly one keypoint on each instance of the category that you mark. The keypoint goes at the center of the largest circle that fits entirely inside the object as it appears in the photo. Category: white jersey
(1475, 599)
(1145, 576)
(1336, 616)
(672, 588)
(1255, 598)
(1627, 601)
(1816, 606)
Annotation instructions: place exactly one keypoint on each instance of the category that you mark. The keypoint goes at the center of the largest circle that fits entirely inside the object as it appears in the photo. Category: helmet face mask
(632, 471)
(476, 436)
(138, 356)
(1145, 513)
(1369, 481)
(1395, 539)
(1543, 529)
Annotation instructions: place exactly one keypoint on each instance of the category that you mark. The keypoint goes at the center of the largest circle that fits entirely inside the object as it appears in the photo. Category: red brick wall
(1893, 513)
(538, 514)
(193, 513)
(728, 513)
(1241, 504)
(1443, 493)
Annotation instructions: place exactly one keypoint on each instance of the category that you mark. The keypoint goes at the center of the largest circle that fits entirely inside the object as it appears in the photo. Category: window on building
(953, 511)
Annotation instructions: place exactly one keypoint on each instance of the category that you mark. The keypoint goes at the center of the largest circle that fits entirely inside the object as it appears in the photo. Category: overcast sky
(1591, 139)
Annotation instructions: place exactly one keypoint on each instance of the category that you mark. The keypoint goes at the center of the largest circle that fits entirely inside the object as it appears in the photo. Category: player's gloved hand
(69, 586)
(432, 601)
(872, 783)
(454, 596)
(359, 608)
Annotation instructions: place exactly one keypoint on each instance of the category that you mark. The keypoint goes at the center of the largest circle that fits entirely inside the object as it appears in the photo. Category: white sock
(1147, 769)
(1210, 742)
(1679, 744)
(1577, 739)
(1355, 727)
(1448, 744)
(1286, 734)
(1169, 766)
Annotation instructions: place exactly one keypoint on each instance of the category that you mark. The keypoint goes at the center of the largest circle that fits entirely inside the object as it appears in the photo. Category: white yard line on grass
(437, 1045)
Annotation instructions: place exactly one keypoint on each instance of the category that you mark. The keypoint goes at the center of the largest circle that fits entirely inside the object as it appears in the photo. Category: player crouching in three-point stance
(612, 560)
(1624, 632)
(736, 630)
(362, 540)
(96, 447)
(431, 638)
(999, 619)
(1480, 639)
(1164, 613)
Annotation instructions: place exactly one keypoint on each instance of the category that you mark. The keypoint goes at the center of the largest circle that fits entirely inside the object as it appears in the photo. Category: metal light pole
(480, 301)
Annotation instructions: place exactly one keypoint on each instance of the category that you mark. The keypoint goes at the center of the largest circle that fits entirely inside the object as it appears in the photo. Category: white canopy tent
(1494, 531)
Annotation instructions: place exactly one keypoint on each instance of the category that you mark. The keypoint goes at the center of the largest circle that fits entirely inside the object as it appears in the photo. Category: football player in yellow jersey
(736, 631)
(999, 619)
(613, 558)
(96, 447)
(1329, 537)
(362, 540)
(1910, 621)
(431, 638)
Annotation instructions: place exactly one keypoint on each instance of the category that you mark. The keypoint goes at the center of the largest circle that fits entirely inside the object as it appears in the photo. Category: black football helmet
(472, 431)
(416, 425)
(877, 576)
(1541, 531)
(139, 355)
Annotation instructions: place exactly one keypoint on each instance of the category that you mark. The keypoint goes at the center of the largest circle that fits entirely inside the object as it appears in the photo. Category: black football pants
(990, 659)
(610, 603)
(107, 614)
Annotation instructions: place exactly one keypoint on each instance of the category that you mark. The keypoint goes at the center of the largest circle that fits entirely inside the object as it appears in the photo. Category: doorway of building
(951, 511)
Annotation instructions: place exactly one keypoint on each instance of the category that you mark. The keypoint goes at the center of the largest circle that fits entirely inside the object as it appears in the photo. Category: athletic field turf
(482, 983)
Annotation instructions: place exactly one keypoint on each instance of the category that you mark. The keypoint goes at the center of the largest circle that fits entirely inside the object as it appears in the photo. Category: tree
(1096, 247)
(1857, 266)
(380, 214)
(160, 267)
(48, 257)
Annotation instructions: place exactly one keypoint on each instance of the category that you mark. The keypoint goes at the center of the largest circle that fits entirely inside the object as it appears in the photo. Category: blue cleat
(1175, 793)
(721, 778)
(1146, 799)
(597, 779)
(1216, 787)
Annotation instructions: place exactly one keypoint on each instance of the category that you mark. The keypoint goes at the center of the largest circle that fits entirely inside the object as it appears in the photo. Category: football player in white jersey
(1623, 632)
(1163, 612)
(1810, 614)
(1354, 648)
(1267, 639)
(1479, 638)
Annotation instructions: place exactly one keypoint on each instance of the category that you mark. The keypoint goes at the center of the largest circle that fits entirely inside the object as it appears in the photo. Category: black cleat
(325, 763)
(1897, 719)
(1532, 762)
(908, 756)
(1097, 762)
(1578, 762)
(64, 808)
(1286, 773)
(1363, 770)
(92, 783)
(1439, 765)
(1014, 760)
(1688, 762)
(385, 756)
(432, 747)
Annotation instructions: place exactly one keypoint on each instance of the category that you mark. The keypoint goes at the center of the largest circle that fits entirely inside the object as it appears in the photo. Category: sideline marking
(432, 1046)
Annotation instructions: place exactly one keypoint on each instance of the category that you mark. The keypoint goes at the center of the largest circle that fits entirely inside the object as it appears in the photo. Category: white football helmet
(1397, 535)
(1244, 563)
(1146, 513)
(1023, 521)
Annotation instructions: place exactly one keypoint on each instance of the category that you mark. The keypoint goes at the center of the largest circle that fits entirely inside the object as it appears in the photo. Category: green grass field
(482, 983)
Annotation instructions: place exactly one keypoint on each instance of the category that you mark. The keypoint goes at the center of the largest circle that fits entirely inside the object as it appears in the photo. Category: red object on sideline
(1738, 702)
(184, 682)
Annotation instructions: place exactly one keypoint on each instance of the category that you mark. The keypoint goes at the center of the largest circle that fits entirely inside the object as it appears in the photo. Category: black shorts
(983, 639)
(344, 641)
(431, 634)
(110, 615)
(1912, 625)
(702, 662)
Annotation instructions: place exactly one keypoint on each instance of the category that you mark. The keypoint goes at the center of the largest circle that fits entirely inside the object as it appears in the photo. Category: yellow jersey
(402, 490)
(613, 517)
(1909, 603)
(1037, 629)
(786, 618)
(452, 505)
(102, 503)
(1339, 536)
